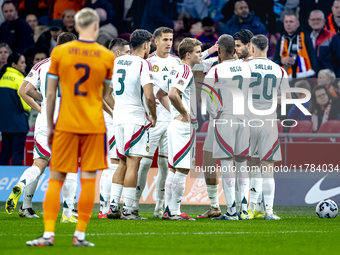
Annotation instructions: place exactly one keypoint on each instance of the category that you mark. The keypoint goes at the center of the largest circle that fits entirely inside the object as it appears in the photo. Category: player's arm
(33, 92)
(51, 94)
(28, 99)
(163, 98)
(107, 108)
(150, 102)
(176, 101)
(108, 100)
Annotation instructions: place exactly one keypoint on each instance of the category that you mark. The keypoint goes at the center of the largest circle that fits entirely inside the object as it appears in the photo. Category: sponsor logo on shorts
(155, 68)
(181, 82)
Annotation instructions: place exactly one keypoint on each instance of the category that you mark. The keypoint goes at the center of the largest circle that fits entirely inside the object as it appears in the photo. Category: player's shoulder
(146, 62)
(184, 70)
(175, 58)
(40, 64)
(213, 69)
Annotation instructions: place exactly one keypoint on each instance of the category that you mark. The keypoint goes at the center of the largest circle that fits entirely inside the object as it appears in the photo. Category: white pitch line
(183, 233)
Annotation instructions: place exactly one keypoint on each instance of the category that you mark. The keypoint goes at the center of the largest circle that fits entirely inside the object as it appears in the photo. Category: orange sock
(51, 204)
(86, 203)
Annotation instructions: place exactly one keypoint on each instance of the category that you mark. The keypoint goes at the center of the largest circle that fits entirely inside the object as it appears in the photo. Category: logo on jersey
(165, 69)
(30, 75)
(155, 68)
(151, 77)
(147, 148)
(181, 82)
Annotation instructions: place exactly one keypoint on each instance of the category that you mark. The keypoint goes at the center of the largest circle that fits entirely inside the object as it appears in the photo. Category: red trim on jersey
(150, 66)
(151, 55)
(141, 67)
(186, 72)
(37, 65)
(247, 60)
(174, 56)
(216, 75)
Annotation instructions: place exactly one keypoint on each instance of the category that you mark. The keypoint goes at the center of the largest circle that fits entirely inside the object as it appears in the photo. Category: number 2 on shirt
(82, 79)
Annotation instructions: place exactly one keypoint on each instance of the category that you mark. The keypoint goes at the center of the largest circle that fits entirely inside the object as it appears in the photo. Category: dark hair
(207, 22)
(40, 52)
(187, 45)
(227, 42)
(313, 104)
(162, 30)
(244, 35)
(118, 42)
(260, 41)
(5, 45)
(139, 37)
(13, 58)
(7, 2)
(65, 37)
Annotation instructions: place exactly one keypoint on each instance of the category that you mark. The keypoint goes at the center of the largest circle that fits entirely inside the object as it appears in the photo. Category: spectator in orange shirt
(61, 5)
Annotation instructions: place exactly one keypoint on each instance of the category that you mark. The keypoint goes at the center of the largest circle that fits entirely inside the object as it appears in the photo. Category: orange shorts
(67, 148)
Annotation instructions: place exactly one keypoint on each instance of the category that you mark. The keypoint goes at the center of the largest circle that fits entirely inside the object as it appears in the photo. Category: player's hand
(156, 100)
(152, 120)
(218, 115)
(213, 49)
(50, 135)
(186, 118)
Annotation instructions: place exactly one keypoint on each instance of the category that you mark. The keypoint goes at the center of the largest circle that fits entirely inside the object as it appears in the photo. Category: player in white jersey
(119, 47)
(231, 138)
(266, 76)
(162, 62)
(34, 82)
(182, 128)
(132, 75)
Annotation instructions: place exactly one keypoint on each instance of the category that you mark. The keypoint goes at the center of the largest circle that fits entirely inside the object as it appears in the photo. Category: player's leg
(69, 191)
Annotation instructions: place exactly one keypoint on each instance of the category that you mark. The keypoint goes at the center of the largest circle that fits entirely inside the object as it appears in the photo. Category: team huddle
(107, 109)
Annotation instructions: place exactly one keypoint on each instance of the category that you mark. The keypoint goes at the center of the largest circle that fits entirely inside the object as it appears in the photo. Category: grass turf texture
(299, 232)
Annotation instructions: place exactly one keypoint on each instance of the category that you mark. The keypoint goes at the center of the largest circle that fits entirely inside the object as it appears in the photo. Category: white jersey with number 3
(38, 78)
(130, 74)
(266, 75)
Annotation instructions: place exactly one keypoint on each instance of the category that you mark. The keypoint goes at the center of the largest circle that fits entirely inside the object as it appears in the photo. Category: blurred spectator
(38, 7)
(214, 9)
(243, 19)
(134, 15)
(306, 6)
(326, 43)
(2, 18)
(242, 43)
(106, 34)
(294, 50)
(208, 37)
(110, 12)
(177, 41)
(294, 112)
(48, 40)
(161, 13)
(197, 9)
(326, 77)
(14, 114)
(323, 107)
(32, 20)
(333, 20)
(196, 28)
(38, 56)
(5, 51)
(38, 30)
(68, 21)
(61, 5)
(15, 31)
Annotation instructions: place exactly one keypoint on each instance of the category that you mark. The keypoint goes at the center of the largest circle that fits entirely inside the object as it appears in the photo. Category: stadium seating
(279, 126)
(331, 126)
(303, 126)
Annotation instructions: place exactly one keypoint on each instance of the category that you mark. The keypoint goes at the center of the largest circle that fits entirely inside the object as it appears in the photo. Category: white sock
(79, 235)
(48, 234)
(178, 188)
(212, 191)
(160, 181)
(116, 194)
(168, 189)
(68, 190)
(268, 189)
(237, 196)
(129, 196)
(242, 178)
(144, 167)
(259, 205)
(29, 192)
(228, 184)
(105, 188)
(29, 176)
(255, 188)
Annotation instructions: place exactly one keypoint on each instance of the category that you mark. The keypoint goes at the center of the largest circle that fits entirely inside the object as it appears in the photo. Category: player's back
(266, 75)
(130, 74)
(233, 73)
(82, 68)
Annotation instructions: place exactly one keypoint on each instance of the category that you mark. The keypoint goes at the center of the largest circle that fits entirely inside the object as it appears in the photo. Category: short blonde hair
(187, 45)
(303, 84)
(86, 17)
(329, 73)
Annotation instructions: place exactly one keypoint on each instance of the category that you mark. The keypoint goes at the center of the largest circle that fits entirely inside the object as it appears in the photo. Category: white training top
(161, 68)
(130, 74)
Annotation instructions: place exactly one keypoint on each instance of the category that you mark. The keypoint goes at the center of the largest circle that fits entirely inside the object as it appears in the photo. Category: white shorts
(132, 140)
(231, 140)
(158, 136)
(209, 139)
(41, 149)
(111, 140)
(265, 141)
(181, 144)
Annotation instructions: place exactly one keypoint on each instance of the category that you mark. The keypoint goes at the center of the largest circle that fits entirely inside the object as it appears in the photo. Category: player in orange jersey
(84, 70)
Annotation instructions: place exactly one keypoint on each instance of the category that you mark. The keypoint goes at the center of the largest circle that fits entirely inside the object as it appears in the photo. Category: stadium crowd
(303, 36)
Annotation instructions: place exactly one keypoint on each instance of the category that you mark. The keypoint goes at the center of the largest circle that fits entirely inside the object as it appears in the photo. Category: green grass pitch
(299, 232)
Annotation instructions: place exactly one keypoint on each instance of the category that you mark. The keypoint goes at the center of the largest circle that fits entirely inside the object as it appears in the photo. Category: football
(326, 209)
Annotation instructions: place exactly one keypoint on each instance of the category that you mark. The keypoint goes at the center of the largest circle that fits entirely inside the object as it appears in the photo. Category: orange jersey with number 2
(81, 67)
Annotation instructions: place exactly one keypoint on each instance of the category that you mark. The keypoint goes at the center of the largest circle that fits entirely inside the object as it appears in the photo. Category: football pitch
(299, 232)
